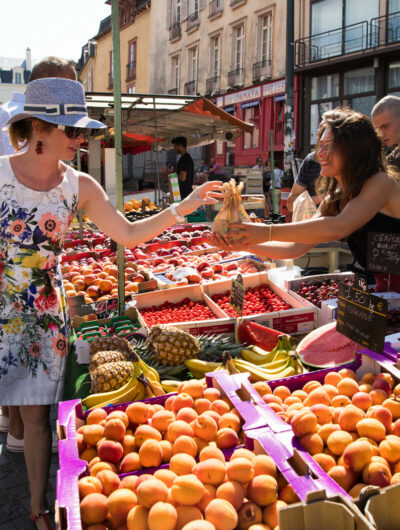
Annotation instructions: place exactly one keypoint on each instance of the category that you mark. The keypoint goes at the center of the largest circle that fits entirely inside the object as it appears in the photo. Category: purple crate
(67, 496)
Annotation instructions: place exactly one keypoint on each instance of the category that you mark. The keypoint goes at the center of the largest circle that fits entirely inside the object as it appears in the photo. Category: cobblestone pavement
(14, 489)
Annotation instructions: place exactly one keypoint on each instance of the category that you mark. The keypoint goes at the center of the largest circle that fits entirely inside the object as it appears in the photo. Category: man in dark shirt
(386, 118)
(308, 174)
(185, 166)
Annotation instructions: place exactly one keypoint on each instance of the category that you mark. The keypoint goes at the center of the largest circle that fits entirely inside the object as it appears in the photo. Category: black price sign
(362, 316)
(237, 294)
(383, 252)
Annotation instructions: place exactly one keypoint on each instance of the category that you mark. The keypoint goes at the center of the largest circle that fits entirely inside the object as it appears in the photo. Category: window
(358, 81)
(393, 80)
(266, 38)
(178, 11)
(132, 89)
(252, 140)
(111, 71)
(215, 56)
(131, 68)
(194, 8)
(193, 64)
(325, 86)
(18, 78)
(238, 47)
(175, 73)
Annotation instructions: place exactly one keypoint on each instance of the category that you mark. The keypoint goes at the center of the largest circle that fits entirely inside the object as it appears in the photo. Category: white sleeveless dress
(34, 321)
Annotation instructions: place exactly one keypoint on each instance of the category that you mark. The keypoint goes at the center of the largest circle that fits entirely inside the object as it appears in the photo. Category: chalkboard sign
(362, 316)
(383, 252)
(237, 294)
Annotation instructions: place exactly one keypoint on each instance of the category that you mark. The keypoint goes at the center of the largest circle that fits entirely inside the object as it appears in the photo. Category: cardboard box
(381, 508)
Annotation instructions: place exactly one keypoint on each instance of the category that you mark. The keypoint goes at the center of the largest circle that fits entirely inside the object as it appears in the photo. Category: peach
(382, 414)
(99, 466)
(205, 427)
(357, 455)
(150, 453)
(317, 396)
(210, 451)
(137, 518)
(138, 412)
(386, 377)
(221, 514)
(151, 491)
(249, 514)
(179, 428)
(92, 433)
(346, 478)
(120, 502)
(166, 475)
(395, 428)
(129, 482)
(322, 412)
(325, 461)
(201, 405)
(376, 474)
(199, 525)
(185, 444)
(325, 430)
(356, 490)
(131, 462)
(270, 515)
(288, 495)
(393, 405)
(110, 450)
(186, 514)
(109, 481)
(347, 387)
(226, 438)
(304, 423)
(89, 484)
(390, 448)
(230, 420)
(128, 444)
(240, 470)
(332, 378)
(88, 454)
(182, 401)
(114, 429)
(166, 449)
(194, 388)
(371, 428)
(162, 516)
(349, 417)
(94, 508)
(187, 490)
(378, 396)
(162, 419)
(312, 443)
(121, 415)
(232, 492)
(347, 372)
(362, 400)
(338, 441)
(263, 490)
(262, 388)
(340, 401)
(96, 416)
(281, 391)
(264, 465)
(146, 432)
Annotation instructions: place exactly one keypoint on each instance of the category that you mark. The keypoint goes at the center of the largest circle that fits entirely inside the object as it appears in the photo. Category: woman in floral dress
(39, 195)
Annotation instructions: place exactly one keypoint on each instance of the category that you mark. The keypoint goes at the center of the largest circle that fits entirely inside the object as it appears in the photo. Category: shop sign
(383, 252)
(362, 316)
(269, 89)
(274, 88)
(250, 104)
(243, 95)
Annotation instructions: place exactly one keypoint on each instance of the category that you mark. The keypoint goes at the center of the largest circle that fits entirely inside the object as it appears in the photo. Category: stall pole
(80, 212)
(289, 103)
(271, 143)
(158, 190)
(118, 146)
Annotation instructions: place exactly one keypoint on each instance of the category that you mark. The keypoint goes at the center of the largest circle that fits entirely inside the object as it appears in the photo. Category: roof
(104, 27)
(167, 116)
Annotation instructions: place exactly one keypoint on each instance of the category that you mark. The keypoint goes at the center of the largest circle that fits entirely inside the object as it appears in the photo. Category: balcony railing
(190, 88)
(175, 31)
(235, 3)
(212, 85)
(216, 8)
(173, 91)
(142, 3)
(236, 77)
(262, 70)
(193, 21)
(385, 30)
(131, 71)
(110, 81)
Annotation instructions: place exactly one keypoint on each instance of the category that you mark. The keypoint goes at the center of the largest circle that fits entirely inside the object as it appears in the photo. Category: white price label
(82, 348)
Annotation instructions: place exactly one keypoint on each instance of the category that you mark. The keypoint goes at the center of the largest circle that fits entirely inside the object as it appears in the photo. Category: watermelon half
(325, 347)
(254, 334)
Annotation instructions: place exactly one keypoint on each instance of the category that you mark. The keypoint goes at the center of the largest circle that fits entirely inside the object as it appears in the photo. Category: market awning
(167, 116)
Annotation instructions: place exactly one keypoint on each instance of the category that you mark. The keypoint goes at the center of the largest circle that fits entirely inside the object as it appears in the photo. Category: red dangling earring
(39, 148)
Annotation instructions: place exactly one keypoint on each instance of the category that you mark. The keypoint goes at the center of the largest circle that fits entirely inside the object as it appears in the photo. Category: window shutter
(169, 13)
(202, 5)
(184, 10)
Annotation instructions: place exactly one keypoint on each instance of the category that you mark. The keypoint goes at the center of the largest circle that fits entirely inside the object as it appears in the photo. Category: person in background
(185, 166)
(214, 170)
(201, 173)
(258, 166)
(278, 174)
(10, 418)
(308, 174)
(386, 118)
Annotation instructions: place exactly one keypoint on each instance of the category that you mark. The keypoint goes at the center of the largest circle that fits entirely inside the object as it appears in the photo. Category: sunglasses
(75, 132)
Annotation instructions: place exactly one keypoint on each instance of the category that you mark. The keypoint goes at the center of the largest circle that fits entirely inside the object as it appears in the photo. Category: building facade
(14, 75)
(347, 53)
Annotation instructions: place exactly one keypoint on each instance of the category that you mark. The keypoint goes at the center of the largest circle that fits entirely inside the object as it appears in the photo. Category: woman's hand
(248, 234)
(204, 194)
(223, 243)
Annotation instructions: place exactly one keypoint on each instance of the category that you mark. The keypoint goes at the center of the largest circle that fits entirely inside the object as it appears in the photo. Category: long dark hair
(362, 154)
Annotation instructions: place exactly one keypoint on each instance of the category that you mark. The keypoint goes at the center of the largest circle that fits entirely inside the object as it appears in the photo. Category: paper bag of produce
(232, 210)
(303, 208)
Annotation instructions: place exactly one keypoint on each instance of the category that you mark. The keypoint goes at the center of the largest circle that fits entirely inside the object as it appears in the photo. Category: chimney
(28, 60)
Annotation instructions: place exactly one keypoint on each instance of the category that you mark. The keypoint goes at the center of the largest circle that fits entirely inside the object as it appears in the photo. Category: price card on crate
(383, 252)
(237, 294)
(362, 316)
(174, 192)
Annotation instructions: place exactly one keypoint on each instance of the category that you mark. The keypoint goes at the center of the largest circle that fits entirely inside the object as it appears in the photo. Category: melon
(254, 334)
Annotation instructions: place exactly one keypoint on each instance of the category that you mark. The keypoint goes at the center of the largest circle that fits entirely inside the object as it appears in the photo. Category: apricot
(231, 421)
(162, 516)
(194, 388)
(373, 444)
(89, 484)
(179, 428)
(312, 443)
(347, 387)
(212, 394)
(100, 466)
(340, 401)
(205, 427)
(199, 525)
(151, 491)
(201, 444)
(96, 416)
(129, 482)
(146, 432)
(182, 401)
(185, 444)
(121, 415)
(300, 394)
(395, 428)
(162, 419)
(325, 430)
(346, 478)
(395, 479)
(187, 490)
(262, 388)
(331, 390)
(186, 414)
(364, 387)
(389, 448)
(226, 438)
(240, 470)
(291, 400)
(92, 433)
(245, 453)
(378, 396)
(357, 455)
(311, 385)
(271, 398)
(88, 454)
(347, 372)
(182, 464)
(317, 396)
(371, 428)
(120, 502)
(150, 453)
(210, 451)
(362, 400)
(110, 481)
(128, 444)
(264, 465)
(376, 474)
(288, 495)
(168, 403)
(332, 378)
(137, 518)
(131, 462)
(232, 492)
(201, 405)
(110, 451)
(322, 412)
(349, 417)
(221, 514)
(186, 514)
(394, 406)
(138, 412)
(338, 441)
(114, 429)
(249, 514)
(214, 415)
(263, 490)
(94, 508)
(386, 377)
(166, 449)
(281, 391)
(270, 514)
(381, 413)
(356, 490)
(210, 471)
(368, 378)
(304, 423)
(325, 461)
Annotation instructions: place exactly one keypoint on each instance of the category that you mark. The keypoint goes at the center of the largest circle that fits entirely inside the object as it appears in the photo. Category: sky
(49, 27)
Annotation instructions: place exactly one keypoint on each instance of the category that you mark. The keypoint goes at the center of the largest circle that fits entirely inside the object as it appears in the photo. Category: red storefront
(263, 105)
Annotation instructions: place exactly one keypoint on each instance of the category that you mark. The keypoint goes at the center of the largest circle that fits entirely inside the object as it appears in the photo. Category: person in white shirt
(7, 111)
(259, 165)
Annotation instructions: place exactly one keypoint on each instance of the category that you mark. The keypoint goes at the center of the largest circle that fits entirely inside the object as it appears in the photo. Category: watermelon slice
(325, 347)
(254, 334)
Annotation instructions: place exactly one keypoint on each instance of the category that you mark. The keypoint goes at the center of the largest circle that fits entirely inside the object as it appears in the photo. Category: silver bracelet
(178, 217)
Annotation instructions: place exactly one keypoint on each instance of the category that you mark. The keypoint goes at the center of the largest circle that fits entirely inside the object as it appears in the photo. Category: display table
(329, 255)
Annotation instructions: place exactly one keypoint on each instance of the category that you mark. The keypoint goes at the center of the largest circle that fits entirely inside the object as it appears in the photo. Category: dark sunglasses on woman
(74, 132)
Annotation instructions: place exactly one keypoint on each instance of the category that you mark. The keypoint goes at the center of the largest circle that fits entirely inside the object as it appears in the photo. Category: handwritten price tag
(383, 252)
(237, 294)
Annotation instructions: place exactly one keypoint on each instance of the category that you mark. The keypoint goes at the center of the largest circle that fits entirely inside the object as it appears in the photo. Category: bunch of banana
(278, 369)
(151, 388)
(198, 368)
(257, 355)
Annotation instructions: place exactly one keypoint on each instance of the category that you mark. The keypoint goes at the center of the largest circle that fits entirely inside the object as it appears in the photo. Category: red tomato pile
(258, 300)
(184, 311)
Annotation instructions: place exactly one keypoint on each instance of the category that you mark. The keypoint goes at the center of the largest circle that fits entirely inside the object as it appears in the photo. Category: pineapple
(103, 357)
(110, 344)
(111, 376)
(171, 345)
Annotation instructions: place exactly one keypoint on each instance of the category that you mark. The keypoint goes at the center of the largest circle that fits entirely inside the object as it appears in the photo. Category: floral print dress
(34, 321)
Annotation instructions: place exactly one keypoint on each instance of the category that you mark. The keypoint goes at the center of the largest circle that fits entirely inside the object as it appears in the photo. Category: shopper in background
(386, 118)
(201, 174)
(308, 174)
(185, 166)
(278, 175)
(259, 165)
(10, 419)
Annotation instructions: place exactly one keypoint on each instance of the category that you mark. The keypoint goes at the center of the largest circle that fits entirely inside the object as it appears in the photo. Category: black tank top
(358, 240)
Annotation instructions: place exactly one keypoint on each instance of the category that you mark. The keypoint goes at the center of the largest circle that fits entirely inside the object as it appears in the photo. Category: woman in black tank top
(361, 195)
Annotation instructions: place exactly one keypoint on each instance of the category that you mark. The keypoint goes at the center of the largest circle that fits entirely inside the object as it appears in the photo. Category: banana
(256, 355)
(198, 367)
(228, 364)
(149, 372)
(170, 385)
(259, 374)
(156, 388)
(94, 399)
(134, 393)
